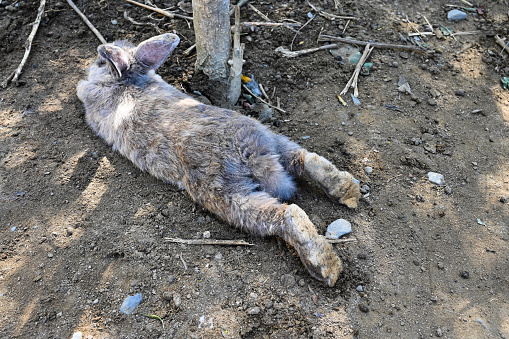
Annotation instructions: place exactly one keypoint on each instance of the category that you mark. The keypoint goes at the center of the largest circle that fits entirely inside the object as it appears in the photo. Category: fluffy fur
(231, 164)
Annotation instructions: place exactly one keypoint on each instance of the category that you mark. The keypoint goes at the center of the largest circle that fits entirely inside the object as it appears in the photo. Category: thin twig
(291, 45)
(341, 241)
(134, 22)
(292, 54)
(160, 11)
(264, 93)
(264, 17)
(15, 75)
(265, 102)
(183, 262)
(89, 24)
(189, 50)
(467, 33)
(373, 44)
(209, 242)
(248, 24)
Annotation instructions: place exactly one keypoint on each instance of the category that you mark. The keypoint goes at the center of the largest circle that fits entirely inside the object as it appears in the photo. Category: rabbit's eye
(101, 62)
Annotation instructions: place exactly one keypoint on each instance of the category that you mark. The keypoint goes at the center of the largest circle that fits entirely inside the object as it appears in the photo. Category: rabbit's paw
(339, 185)
(314, 251)
(347, 190)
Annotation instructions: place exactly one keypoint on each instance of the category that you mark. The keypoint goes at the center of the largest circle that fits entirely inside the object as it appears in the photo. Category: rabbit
(231, 164)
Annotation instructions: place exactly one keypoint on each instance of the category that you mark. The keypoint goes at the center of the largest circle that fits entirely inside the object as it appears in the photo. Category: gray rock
(177, 300)
(206, 234)
(436, 178)
(253, 310)
(456, 15)
(338, 228)
(288, 280)
(77, 335)
(368, 170)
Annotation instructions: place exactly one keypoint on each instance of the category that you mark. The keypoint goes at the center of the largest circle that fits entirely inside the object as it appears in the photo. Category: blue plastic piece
(356, 101)
(130, 303)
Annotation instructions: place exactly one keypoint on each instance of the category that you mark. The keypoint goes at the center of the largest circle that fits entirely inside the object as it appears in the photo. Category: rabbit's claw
(314, 251)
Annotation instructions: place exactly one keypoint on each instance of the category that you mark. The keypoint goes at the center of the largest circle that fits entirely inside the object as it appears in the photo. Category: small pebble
(13, 228)
(368, 170)
(448, 190)
(206, 234)
(288, 280)
(362, 256)
(439, 332)
(77, 335)
(363, 308)
(114, 22)
(460, 93)
(432, 102)
(465, 275)
(502, 200)
(302, 283)
(436, 178)
(253, 310)
(69, 231)
(50, 255)
(440, 265)
(365, 189)
(360, 288)
(338, 228)
(177, 300)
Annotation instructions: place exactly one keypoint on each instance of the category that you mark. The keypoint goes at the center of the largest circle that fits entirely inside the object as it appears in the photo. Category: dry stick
(353, 80)
(373, 44)
(264, 17)
(209, 242)
(89, 24)
(264, 93)
(183, 262)
(131, 20)
(292, 54)
(502, 43)
(340, 241)
(189, 50)
(291, 45)
(160, 11)
(265, 102)
(277, 24)
(15, 75)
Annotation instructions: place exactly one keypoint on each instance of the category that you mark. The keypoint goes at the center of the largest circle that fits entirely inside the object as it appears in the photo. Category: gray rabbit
(231, 164)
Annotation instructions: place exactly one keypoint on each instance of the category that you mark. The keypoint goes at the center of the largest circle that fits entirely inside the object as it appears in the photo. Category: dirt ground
(81, 228)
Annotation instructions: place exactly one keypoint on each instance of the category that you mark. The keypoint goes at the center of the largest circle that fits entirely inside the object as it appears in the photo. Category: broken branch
(209, 242)
(14, 76)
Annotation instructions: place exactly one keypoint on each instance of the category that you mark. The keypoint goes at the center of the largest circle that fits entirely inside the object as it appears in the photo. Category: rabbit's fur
(231, 164)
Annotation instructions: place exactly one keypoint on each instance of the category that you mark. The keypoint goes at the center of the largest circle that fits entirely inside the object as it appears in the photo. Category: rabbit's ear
(116, 56)
(154, 51)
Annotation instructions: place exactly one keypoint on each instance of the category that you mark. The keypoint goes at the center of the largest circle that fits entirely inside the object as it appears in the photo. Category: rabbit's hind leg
(264, 215)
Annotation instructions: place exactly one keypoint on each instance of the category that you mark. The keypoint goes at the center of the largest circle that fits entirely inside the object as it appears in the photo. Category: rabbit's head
(123, 62)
